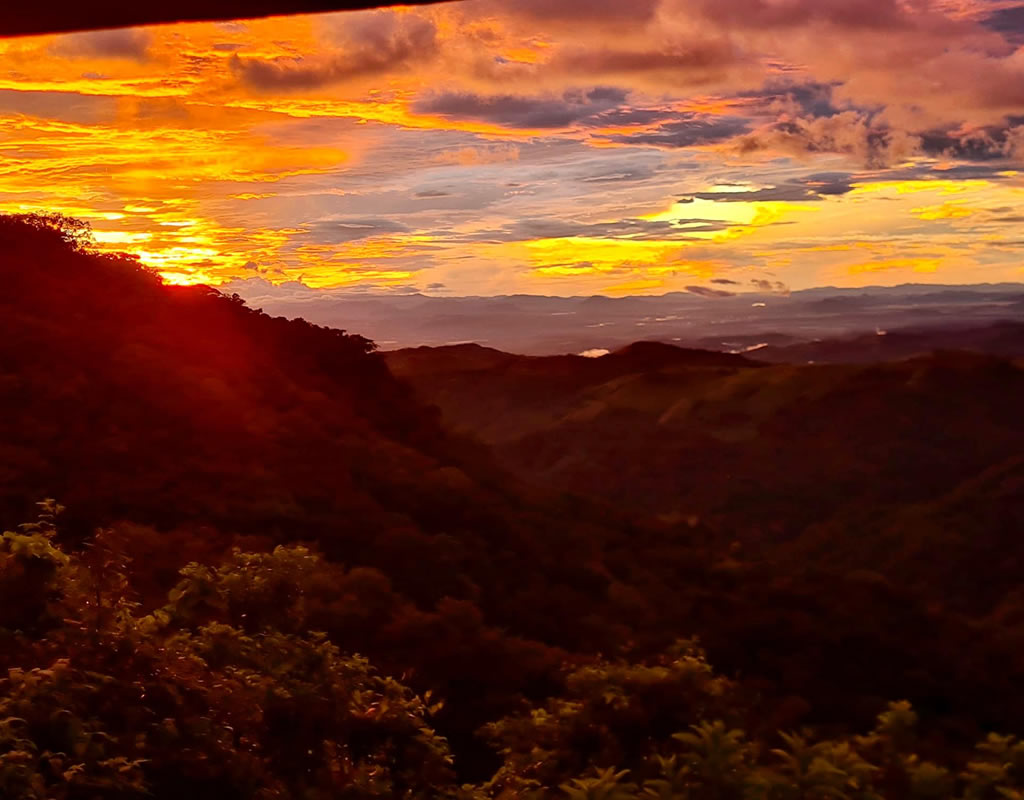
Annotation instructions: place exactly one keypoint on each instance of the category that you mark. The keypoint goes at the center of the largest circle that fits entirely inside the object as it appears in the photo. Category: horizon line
(342, 292)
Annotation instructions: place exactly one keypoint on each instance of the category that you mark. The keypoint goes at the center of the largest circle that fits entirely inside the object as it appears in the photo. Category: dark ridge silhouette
(650, 354)
(636, 356)
(467, 356)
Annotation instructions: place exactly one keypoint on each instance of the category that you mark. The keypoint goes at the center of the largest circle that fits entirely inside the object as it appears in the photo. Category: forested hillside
(778, 456)
(244, 504)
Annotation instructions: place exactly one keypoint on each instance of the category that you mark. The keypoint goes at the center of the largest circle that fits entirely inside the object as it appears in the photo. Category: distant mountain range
(721, 320)
(1004, 338)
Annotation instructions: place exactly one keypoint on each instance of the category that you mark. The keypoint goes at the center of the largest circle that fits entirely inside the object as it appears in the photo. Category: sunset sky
(540, 146)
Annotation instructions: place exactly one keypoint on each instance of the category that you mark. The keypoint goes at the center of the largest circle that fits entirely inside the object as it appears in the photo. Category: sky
(539, 146)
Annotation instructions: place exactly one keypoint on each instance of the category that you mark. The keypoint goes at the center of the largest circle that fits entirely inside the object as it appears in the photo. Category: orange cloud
(206, 149)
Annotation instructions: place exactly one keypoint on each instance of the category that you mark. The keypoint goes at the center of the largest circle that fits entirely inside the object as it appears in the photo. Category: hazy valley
(714, 319)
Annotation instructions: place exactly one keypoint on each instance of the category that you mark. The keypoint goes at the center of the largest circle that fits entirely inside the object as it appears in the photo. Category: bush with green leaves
(103, 701)
(224, 692)
(605, 739)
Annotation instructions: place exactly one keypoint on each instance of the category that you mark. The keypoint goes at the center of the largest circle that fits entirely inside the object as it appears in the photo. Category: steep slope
(104, 364)
(205, 424)
(181, 407)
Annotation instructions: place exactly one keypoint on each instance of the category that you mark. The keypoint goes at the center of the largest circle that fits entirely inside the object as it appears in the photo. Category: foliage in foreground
(218, 694)
(101, 701)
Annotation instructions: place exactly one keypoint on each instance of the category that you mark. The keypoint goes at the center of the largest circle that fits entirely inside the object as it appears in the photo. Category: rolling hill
(761, 451)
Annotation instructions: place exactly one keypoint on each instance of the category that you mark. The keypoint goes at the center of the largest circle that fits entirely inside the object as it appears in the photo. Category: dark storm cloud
(725, 281)
(259, 269)
(690, 131)
(631, 116)
(1007, 21)
(516, 111)
(129, 44)
(373, 45)
(814, 98)
(813, 187)
(964, 172)
(985, 144)
(787, 192)
(432, 193)
(809, 121)
(854, 133)
(828, 183)
(705, 291)
(607, 94)
(809, 99)
(350, 230)
(925, 172)
(770, 287)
